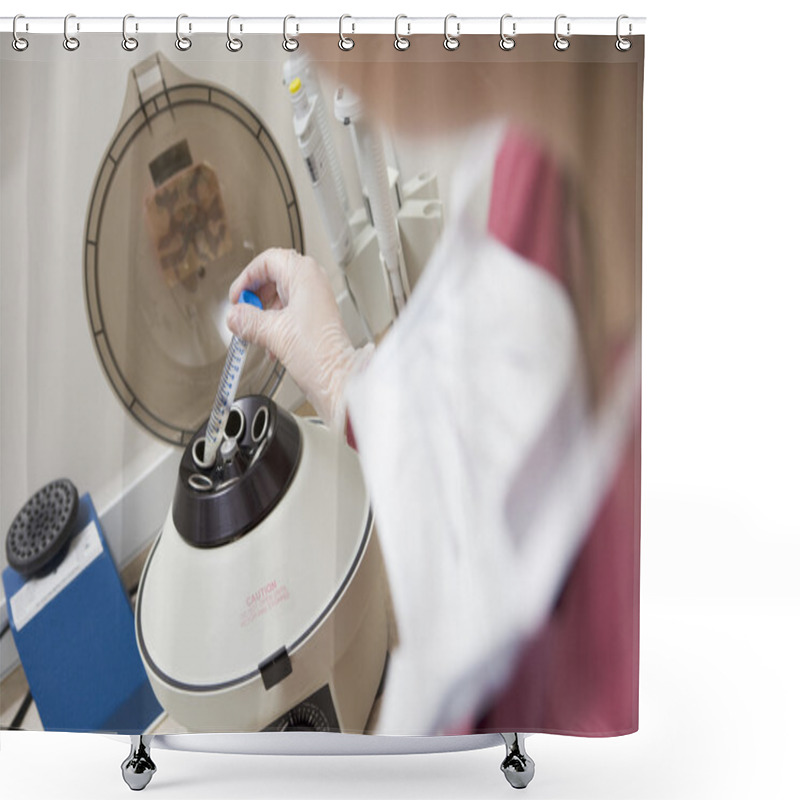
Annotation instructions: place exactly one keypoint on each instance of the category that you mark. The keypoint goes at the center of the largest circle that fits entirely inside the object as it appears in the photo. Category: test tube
(226, 391)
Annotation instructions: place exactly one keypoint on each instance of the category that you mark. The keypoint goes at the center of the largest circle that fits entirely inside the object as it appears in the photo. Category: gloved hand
(300, 325)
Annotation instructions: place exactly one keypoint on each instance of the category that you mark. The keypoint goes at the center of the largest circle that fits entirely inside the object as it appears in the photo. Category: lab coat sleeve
(479, 377)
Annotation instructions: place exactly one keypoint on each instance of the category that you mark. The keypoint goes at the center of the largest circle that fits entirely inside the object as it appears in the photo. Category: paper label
(261, 601)
(84, 548)
(187, 224)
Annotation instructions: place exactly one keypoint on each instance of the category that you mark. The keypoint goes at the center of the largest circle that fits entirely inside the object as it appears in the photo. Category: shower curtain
(456, 548)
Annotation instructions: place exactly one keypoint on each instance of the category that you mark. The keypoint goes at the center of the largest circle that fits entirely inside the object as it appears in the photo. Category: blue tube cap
(251, 298)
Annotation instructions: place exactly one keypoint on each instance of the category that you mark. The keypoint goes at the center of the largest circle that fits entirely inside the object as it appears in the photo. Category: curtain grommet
(129, 43)
(290, 43)
(345, 42)
(451, 42)
(622, 44)
(401, 43)
(507, 41)
(19, 43)
(234, 44)
(71, 43)
(183, 43)
(561, 43)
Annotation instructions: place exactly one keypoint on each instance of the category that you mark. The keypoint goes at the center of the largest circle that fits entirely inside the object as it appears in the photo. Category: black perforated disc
(42, 528)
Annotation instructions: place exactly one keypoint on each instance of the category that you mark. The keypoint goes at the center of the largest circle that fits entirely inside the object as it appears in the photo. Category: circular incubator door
(191, 188)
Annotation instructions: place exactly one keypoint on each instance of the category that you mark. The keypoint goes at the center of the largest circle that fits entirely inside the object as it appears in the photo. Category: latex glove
(300, 325)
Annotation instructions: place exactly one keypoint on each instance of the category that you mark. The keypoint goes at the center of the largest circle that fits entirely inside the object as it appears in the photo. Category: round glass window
(191, 188)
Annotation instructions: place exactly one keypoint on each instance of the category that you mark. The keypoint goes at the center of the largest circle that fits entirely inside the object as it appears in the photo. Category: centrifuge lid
(191, 187)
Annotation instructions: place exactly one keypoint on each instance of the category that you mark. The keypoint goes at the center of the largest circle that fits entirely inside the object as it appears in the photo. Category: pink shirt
(580, 673)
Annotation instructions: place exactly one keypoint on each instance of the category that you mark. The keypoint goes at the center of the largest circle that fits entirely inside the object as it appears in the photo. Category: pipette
(226, 391)
(299, 65)
(368, 145)
(323, 177)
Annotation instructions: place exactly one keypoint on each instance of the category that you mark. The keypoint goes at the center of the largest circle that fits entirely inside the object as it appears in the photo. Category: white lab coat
(482, 461)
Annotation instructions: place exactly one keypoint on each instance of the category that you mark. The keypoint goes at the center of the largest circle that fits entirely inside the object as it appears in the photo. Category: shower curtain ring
(507, 42)
(182, 42)
(70, 42)
(346, 43)
(129, 43)
(451, 42)
(623, 44)
(400, 42)
(18, 43)
(290, 44)
(561, 43)
(234, 44)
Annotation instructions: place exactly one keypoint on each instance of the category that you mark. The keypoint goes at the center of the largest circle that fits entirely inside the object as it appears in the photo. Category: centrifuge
(263, 603)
